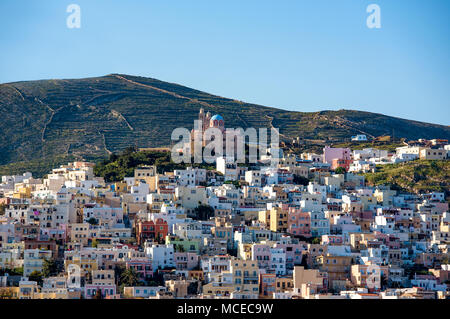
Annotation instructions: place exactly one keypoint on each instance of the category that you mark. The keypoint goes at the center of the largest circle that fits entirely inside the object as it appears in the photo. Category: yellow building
(308, 281)
(145, 173)
(264, 217)
(222, 229)
(86, 264)
(179, 288)
(120, 187)
(278, 220)
(284, 284)
(359, 241)
(300, 170)
(337, 267)
(218, 290)
(53, 293)
(250, 215)
(22, 191)
(245, 275)
(9, 292)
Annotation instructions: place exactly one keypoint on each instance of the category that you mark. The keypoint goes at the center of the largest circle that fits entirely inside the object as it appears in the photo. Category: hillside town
(309, 228)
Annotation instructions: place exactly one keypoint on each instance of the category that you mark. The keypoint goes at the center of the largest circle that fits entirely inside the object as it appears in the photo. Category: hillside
(89, 118)
(416, 177)
(118, 166)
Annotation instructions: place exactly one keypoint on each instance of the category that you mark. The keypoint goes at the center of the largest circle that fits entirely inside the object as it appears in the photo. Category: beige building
(432, 154)
(79, 233)
(144, 173)
(179, 288)
(191, 197)
(385, 196)
(103, 277)
(337, 267)
(359, 274)
(307, 281)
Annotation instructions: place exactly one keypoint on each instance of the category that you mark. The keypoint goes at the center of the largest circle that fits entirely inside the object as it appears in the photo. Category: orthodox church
(206, 121)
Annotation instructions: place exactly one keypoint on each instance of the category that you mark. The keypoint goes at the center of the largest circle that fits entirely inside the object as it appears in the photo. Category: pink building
(142, 266)
(363, 215)
(49, 233)
(389, 240)
(91, 290)
(393, 242)
(344, 163)
(332, 239)
(186, 260)
(330, 153)
(440, 207)
(261, 253)
(294, 253)
(299, 222)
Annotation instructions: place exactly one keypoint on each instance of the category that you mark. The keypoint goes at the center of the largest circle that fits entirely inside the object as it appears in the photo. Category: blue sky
(303, 55)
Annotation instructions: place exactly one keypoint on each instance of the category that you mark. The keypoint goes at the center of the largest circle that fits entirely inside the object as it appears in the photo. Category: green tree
(340, 170)
(193, 288)
(92, 221)
(301, 180)
(17, 271)
(383, 282)
(129, 277)
(203, 212)
(118, 271)
(237, 184)
(36, 276)
(49, 268)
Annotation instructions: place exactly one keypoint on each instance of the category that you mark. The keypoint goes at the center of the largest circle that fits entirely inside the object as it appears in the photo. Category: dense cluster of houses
(233, 232)
(366, 160)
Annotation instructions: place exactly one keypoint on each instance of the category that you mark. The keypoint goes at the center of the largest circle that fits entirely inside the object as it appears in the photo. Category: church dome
(217, 117)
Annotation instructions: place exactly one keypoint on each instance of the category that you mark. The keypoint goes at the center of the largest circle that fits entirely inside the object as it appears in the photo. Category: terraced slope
(92, 117)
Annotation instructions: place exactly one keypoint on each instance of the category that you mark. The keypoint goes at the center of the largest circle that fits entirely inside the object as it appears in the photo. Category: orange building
(151, 230)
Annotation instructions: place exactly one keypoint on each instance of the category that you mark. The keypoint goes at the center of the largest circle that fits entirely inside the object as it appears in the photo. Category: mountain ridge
(220, 96)
(89, 118)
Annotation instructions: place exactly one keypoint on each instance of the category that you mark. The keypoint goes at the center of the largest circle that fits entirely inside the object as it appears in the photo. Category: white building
(162, 256)
(359, 138)
(278, 261)
(228, 167)
(253, 178)
(384, 224)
